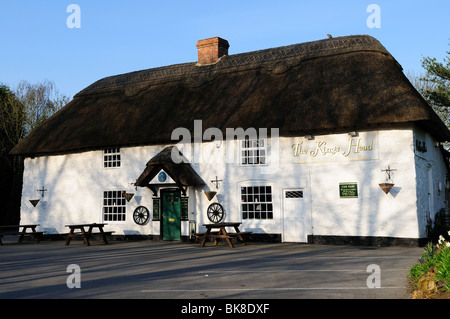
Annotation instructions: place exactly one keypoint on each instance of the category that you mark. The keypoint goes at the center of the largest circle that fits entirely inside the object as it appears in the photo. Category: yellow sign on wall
(340, 147)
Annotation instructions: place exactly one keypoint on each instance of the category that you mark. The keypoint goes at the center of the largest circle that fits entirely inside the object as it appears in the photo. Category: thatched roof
(332, 85)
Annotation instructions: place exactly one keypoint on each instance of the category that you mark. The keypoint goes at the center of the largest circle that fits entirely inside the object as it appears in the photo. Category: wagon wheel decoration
(141, 215)
(215, 212)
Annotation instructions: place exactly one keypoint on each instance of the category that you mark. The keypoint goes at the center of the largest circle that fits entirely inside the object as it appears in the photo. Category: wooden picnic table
(15, 230)
(222, 233)
(85, 231)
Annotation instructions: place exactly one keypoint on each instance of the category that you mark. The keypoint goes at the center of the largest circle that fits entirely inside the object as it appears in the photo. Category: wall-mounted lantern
(388, 184)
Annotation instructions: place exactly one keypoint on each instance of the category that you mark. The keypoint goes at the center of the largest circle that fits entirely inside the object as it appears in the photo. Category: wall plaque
(348, 190)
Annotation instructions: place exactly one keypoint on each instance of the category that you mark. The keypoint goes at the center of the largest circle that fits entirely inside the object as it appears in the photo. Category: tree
(438, 76)
(20, 112)
(12, 122)
(434, 85)
(41, 101)
(425, 87)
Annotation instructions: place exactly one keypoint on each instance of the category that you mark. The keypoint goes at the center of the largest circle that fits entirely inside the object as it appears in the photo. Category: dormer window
(111, 157)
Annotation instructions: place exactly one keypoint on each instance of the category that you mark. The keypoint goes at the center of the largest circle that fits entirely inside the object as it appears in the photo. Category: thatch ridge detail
(320, 87)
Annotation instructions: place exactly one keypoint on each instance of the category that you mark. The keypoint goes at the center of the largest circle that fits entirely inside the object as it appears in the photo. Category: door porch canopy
(182, 173)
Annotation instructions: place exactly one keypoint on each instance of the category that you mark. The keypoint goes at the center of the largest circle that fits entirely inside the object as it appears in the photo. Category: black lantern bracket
(42, 190)
(388, 172)
(216, 182)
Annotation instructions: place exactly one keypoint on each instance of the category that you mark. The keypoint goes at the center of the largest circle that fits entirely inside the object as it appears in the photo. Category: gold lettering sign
(336, 148)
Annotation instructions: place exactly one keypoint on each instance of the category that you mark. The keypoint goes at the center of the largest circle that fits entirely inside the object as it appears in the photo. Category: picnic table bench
(15, 230)
(222, 233)
(85, 232)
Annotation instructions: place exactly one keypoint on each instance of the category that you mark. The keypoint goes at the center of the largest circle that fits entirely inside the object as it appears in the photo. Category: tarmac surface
(186, 271)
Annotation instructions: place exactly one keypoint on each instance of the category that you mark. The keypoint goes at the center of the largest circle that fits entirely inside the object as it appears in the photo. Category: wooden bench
(106, 233)
(80, 234)
(216, 234)
(242, 233)
(239, 236)
(222, 233)
(86, 234)
(7, 231)
(201, 235)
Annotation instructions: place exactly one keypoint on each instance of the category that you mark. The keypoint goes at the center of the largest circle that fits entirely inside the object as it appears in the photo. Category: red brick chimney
(210, 50)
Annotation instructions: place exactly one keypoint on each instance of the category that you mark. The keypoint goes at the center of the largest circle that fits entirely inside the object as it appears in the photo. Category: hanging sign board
(348, 190)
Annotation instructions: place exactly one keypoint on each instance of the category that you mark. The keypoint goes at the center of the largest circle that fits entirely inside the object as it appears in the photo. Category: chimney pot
(211, 50)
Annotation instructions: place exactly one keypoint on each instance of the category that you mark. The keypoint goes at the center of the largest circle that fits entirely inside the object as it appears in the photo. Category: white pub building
(319, 142)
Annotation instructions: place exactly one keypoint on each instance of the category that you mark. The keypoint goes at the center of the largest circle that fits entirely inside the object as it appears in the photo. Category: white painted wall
(76, 182)
(430, 178)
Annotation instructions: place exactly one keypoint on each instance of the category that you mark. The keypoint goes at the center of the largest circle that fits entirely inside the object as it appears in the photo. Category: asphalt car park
(186, 271)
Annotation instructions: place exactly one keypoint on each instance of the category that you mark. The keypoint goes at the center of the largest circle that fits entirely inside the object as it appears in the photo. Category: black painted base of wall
(277, 238)
(366, 241)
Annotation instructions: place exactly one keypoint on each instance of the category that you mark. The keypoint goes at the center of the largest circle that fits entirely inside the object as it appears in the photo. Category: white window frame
(253, 152)
(112, 158)
(256, 200)
(114, 204)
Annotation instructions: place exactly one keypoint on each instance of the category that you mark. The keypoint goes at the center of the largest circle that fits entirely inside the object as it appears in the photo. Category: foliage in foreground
(435, 258)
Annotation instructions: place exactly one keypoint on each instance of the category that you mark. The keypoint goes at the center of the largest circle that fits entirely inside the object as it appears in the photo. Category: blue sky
(123, 36)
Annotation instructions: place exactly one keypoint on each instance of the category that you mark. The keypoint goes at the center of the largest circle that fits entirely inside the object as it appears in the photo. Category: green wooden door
(171, 214)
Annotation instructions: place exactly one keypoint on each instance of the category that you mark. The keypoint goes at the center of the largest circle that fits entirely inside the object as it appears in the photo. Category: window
(253, 152)
(184, 208)
(156, 205)
(294, 194)
(111, 157)
(114, 206)
(256, 202)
